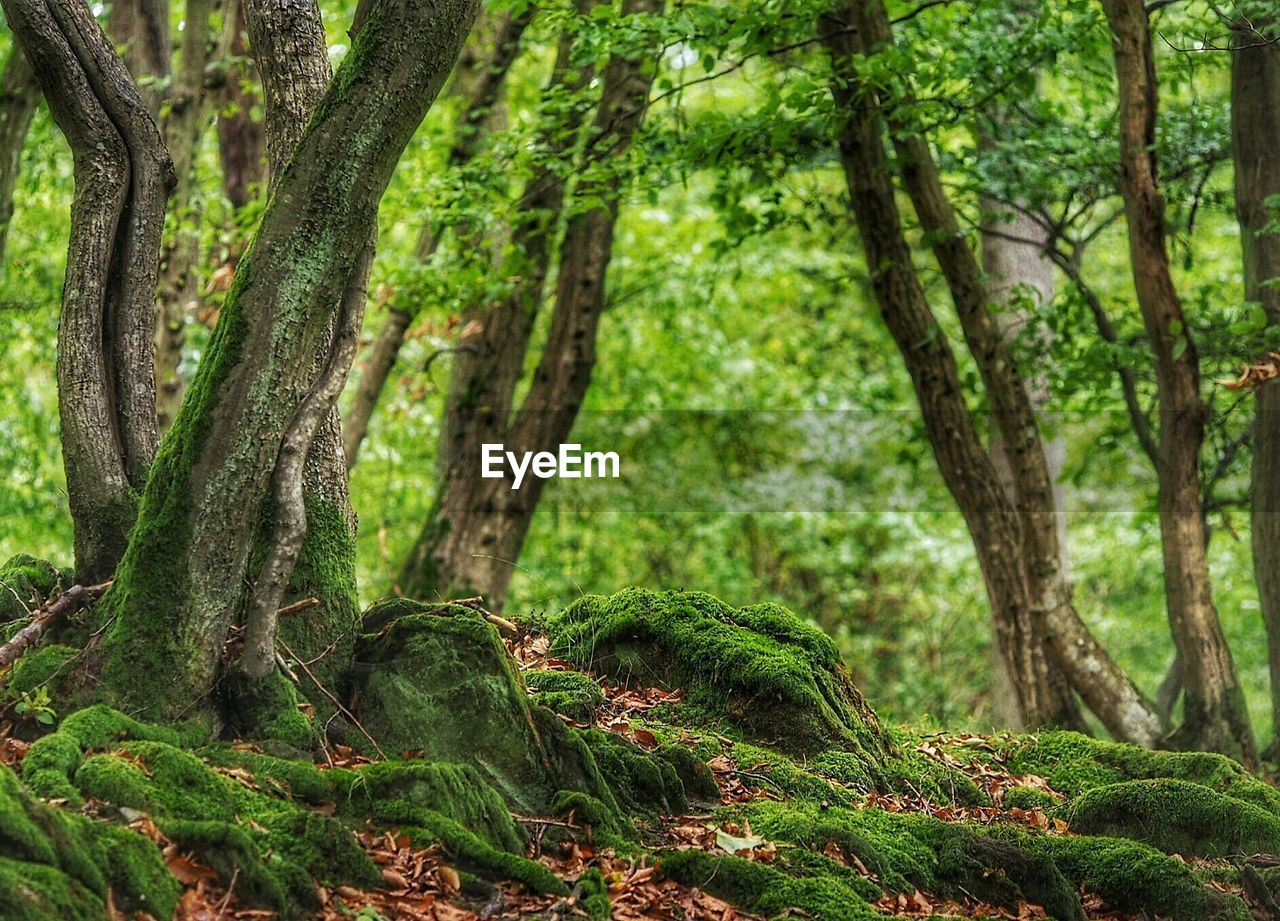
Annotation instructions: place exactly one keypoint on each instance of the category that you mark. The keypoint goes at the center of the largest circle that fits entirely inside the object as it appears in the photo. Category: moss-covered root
(760, 670)
(58, 866)
(25, 584)
(757, 887)
(440, 681)
(1177, 817)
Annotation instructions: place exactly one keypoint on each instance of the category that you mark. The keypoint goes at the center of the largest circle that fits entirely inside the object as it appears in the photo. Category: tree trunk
(1215, 714)
(965, 465)
(1255, 85)
(183, 580)
(474, 534)
(141, 29)
(479, 79)
(241, 145)
(1072, 648)
(19, 96)
(179, 280)
(106, 388)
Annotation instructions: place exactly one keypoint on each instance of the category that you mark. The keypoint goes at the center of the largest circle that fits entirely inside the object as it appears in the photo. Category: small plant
(36, 705)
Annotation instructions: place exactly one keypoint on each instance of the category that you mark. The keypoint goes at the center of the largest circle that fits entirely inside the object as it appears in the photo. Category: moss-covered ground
(649, 752)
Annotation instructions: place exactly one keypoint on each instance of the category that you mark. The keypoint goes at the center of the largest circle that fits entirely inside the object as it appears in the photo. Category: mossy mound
(440, 682)
(59, 865)
(1074, 763)
(25, 584)
(572, 694)
(1177, 817)
(760, 670)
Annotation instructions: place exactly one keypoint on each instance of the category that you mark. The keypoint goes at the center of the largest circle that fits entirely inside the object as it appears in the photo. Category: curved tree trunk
(965, 465)
(1215, 716)
(179, 281)
(475, 532)
(479, 78)
(19, 97)
(1091, 671)
(184, 578)
(1255, 121)
(106, 388)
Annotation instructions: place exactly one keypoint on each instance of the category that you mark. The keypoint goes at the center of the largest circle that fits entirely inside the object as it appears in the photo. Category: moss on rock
(572, 694)
(25, 584)
(760, 670)
(1177, 817)
(440, 682)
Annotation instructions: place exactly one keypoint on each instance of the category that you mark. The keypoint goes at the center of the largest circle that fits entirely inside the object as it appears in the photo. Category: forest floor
(1050, 825)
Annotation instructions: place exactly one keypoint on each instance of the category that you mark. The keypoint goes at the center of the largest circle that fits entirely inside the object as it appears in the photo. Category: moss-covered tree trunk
(1215, 716)
(106, 386)
(189, 570)
(476, 529)
(1255, 121)
(19, 97)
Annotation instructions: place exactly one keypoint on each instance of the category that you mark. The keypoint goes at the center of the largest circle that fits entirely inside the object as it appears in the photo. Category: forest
(648, 459)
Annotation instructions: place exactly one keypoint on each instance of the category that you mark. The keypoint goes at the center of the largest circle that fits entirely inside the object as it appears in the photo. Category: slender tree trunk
(1072, 648)
(479, 79)
(1214, 707)
(965, 465)
(19, 97)
(106, 389)
(1255, 121)
(179, 280)
(241, 145)
(141, 29)
(184, 578)
(477, 528)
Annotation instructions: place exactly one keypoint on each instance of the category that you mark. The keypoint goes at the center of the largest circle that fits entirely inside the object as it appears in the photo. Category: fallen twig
(70, 601)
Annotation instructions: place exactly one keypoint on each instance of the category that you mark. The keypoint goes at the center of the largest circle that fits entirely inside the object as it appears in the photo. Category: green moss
(268, 709)
(25, 584)
(443, 684)
(572, 694)
(1028, 798)
(1137, 878)
(231, 852)
(37, 667)
(759, 669)
(1177, 817)
(641, 782)
(1073, 763)
(757, 887)
(592, 893)
(34, 892)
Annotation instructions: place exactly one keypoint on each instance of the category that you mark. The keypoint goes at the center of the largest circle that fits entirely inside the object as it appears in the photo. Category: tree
(106, 386)
(1214, 713)
(19, 97)
(1255, 81)
(268, 373)
(477, 526)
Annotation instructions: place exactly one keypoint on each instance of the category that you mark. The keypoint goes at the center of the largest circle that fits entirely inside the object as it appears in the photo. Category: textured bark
(1072, 648)
(179, 281)
(1215, 714)
(19, 96)
(479, 78)
(962, 460)
(106, 389)
(241, 144)
(141, 29)
(477, 527)
(1255, 85)
(183, 580)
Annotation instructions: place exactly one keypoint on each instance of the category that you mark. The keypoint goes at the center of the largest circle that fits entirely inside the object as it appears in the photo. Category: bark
(183, 580)
(19, 96)
(1255, 84)
(141, 29)
(480, 79)
(965, 465)
(241, 145)
(179, 281)
(1072, 648)
(106, 388)
(1215, 716)
(475, 532)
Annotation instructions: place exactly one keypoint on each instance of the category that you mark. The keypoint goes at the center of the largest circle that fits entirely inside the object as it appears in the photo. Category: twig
(70, 601)
(329, 694)
(297, 606)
